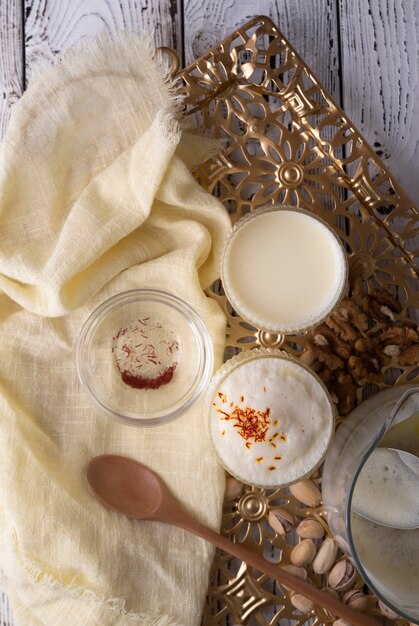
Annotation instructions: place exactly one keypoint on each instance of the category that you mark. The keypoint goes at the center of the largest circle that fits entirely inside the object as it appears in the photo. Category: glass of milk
(387, 558)
(283, 269)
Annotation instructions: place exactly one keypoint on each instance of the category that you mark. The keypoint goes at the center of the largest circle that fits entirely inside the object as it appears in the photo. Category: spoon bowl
(132, 489)
(125, 486)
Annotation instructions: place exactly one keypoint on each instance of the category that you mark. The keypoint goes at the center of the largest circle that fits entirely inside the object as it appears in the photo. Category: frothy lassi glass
(283, 269)
(387, 557)
(270, 418)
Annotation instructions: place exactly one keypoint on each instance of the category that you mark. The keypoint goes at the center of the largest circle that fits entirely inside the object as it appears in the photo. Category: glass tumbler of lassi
(270, 418)
(283, 269)
(371, 495)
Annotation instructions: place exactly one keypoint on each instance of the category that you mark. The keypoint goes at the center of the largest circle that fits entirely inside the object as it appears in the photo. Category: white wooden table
(365, 52)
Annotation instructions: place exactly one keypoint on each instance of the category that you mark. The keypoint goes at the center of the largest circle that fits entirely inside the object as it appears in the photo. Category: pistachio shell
(333, 593)
(294, 570)
(341, 622)
(325, 556)
(303, 553)
(356, 599)
(280, 520)
(233, 489)
(310, 529)
(342, 575)
(342, 543)
(301, 603)
(385, 610)
(306, 492)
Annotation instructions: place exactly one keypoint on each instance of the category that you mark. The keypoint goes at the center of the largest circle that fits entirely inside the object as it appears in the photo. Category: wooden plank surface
(11, 58)
(51, 26)
(380, 79)
(365, 52)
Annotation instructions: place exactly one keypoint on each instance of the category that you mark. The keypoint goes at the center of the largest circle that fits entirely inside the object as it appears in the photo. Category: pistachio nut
(333, 593)
(341, 622)
(303, 553)
(325, 556)
(356, 599)
(301, 603)
(342, 543)
(392, 350)
(294, 570)
(306, 492)
(342, 575)
(385, 610)
(280, 520)
(310, 529)
(233, 489)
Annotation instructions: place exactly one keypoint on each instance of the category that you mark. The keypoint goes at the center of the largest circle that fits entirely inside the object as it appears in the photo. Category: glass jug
(387, 558)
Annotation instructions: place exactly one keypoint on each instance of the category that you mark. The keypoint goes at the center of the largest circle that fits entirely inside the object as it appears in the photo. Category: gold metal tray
(286, 141)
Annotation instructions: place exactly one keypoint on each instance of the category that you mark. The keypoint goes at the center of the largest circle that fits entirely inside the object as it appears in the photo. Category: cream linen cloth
(95, 199)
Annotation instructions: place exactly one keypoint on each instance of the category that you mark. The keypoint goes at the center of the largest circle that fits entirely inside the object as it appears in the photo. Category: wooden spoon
(134, 490)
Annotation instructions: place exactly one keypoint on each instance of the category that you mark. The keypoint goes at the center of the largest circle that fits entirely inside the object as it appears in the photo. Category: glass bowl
(145, 357)
(270, 418)
(283, 269)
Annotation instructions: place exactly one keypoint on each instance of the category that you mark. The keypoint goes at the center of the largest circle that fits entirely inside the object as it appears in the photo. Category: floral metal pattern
(285, 141)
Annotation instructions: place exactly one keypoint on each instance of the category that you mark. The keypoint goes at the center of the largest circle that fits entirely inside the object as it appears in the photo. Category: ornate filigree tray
(286, 141)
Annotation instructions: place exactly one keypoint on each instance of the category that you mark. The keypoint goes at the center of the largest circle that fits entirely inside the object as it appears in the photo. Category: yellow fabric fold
(96, 199)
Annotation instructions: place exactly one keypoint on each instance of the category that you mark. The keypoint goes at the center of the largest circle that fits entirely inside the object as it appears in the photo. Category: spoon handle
(320, 598)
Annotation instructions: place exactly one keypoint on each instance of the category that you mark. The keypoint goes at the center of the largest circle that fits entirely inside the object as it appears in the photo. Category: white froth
(294, 410)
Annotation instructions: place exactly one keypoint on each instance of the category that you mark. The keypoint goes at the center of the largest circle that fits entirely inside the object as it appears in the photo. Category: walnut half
(357, 342)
